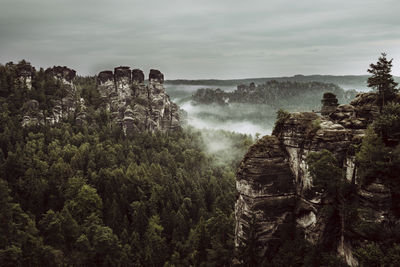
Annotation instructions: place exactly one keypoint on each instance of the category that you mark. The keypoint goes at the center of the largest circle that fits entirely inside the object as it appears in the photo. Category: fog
(244, 118)
(234, 118)
(181, 93)
(227, 148)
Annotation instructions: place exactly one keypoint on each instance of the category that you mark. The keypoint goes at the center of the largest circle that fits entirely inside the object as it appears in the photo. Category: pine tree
(382, 80)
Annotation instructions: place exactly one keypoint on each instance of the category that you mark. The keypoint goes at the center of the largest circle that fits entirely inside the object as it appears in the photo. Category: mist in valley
(236, 117)
(250, 115)
(239, 118)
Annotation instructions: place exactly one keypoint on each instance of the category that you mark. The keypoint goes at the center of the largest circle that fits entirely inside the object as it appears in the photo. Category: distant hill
(357, 82)
(284, 94)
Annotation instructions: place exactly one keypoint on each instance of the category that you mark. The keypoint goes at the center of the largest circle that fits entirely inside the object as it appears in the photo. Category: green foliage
(77, 196)
(382, 80)
(88, 90)
(281, 117)
(370, 255)
(324, 170)
(372, 158)
(388, 121)
(290, 95)
(340, 196)
(74, 195)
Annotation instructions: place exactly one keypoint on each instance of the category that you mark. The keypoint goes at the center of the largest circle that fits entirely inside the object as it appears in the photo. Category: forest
(76, 194)
(348, 82)
(293, 96)
(251, 108)
(89, 195)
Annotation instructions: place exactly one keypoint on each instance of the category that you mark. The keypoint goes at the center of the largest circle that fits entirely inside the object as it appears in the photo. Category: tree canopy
(382, 80)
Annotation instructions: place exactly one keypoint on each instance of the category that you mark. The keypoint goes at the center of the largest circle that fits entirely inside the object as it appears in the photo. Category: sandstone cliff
(273, 181)
(133, 105)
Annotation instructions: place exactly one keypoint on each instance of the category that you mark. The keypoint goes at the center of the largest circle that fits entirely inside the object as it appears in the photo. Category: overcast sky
(202, 38)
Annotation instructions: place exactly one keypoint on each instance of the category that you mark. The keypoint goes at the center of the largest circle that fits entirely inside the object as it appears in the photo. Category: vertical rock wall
(266, 189)
(135, 105)
(279, 161)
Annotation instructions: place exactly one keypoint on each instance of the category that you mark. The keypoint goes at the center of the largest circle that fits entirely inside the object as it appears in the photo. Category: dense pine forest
(88, 195)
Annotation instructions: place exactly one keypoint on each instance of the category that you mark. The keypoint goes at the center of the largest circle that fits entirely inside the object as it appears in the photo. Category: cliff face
(134, 105)
(273, 181)
(266, 188)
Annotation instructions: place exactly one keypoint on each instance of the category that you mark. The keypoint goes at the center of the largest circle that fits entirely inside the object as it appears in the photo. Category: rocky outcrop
(137, 76)
(273, 181)
(269, 195)
(64, 74)
(71, 105)
(359, 113)
(156, 76)
(25, 74)
(32, 115)
(329, 103)
(123, 80)
(135, 105)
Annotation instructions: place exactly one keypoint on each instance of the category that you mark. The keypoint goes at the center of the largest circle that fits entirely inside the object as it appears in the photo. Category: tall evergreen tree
(382, 79)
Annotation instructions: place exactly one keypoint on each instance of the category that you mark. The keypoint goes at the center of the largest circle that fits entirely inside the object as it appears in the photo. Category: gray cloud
(202, 39)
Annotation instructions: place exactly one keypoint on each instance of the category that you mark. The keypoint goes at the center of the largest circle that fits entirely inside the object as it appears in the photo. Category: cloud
(202, 39)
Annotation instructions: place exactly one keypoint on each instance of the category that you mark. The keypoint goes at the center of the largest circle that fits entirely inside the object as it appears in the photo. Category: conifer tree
(382, 79)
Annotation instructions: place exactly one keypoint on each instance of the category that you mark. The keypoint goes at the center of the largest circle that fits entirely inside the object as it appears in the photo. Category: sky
(223, 39)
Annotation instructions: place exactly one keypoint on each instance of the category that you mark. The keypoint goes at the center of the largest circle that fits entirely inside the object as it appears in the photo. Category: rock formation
(71, 105)
(137, 76)
(64, 74)
(329, 103)
(25, 74)
(358, 114)
(133, 105)
(266, 188)
(32, 115)
(273, 181)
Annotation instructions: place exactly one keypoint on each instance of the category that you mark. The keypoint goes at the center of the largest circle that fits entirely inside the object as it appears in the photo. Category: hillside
(357, 82)
(286, 95)
(100, 172)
